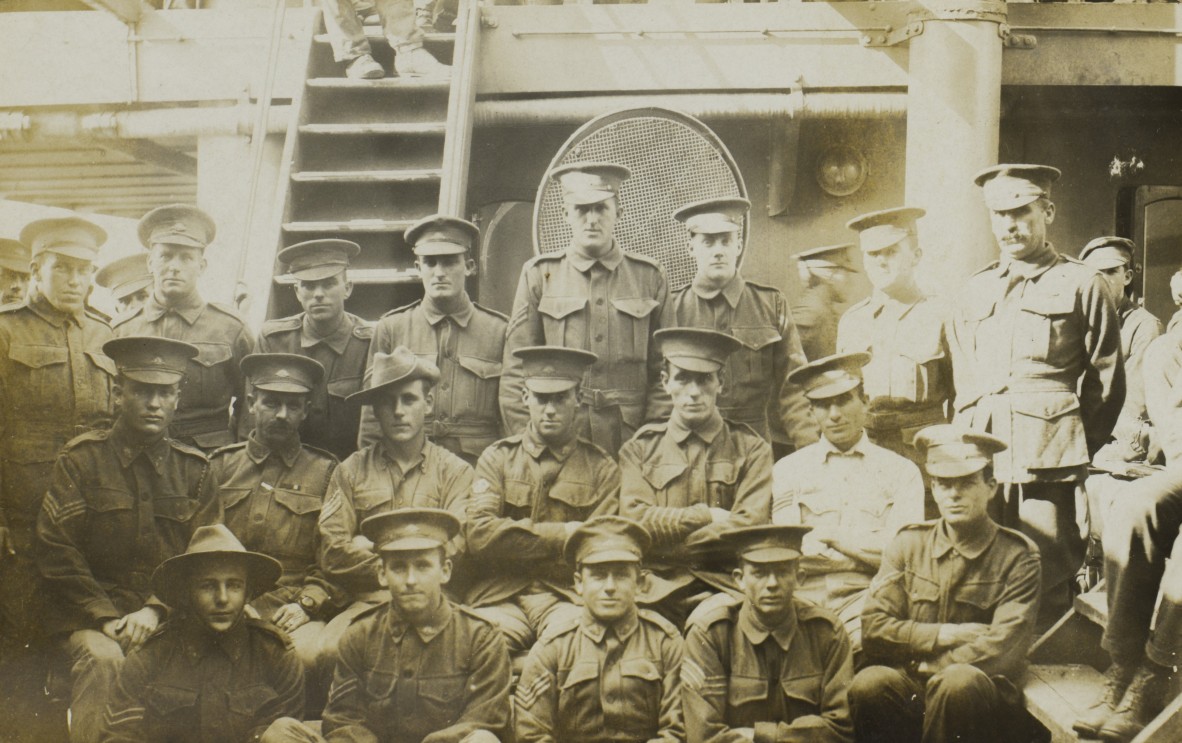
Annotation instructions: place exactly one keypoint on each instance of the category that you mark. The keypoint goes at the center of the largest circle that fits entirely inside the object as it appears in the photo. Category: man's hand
(955, 635)
(747, 733)
(111, 629)
(569, 527)
(719, 515)
(290, 617)
(137, 626)
(7, 547)
(362, 542)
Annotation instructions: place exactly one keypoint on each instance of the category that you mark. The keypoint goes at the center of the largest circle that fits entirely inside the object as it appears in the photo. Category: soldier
(272, 488)
(689, 478)
(853, 494)
(613, 673)
(595, 296)
(825, 275)
(14, 271)
(1160, 378)
(463, 339)
(720, 298)
(403, 469)
(404, 23)
(420, 668)
(129, 281)
(532, 490)
(248, 674)
(770, 667)
(909, 377)
(1035, 344)
(176, 237)
(121, 502)
(325, 332)
(951, 613)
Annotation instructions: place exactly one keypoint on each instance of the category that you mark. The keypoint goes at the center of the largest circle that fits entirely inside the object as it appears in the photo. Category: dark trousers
(959, 704)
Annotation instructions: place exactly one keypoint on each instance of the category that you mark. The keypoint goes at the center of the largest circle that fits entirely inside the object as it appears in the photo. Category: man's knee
(512, 623)
(874, 684)
(960, 681)
(308, 642)
(289, 730)
(89, 647)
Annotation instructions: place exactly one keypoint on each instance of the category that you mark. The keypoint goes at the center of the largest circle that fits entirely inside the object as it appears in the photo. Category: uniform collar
(880, 300)
(535, 447)
(428, 631)
(337, 340)
(732, 291)
(386, 458)
(1032, 267)
(258, 451)
(199, 640)
(857, 450)
(583, 262)
(128, 449)
(435, 315)
(596, 630)
(189, 311)
(972, 547)
(756, 633)
(708, 432)
(50, 314)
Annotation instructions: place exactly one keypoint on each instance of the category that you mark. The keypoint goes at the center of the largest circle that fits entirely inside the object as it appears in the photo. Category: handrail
(457, 144)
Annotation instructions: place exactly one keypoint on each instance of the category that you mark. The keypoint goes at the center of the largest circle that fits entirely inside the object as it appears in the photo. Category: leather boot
(1116, 680)
(1142, 701)
(415, 61)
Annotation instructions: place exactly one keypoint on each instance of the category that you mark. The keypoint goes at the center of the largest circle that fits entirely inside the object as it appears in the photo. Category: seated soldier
(120, 503)
(403, 24)
(771, 667)
(854, 494)
(614, 673)
(531, 491)
(402, 469)
(272, 489)
(208, 673)
(689, 478)
(951, 613)
(1145, 650)
(419, 669)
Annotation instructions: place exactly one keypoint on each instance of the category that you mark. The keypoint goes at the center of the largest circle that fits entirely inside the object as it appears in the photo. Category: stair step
(1094, 606)
(369, 276)
(368, 176)
(374, 33)
(1058, 694)
(431, 128)
(386, 83)
(356, 225)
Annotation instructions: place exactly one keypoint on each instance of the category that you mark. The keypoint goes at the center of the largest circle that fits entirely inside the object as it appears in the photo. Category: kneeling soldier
(951, 612)
(209, 673)
(613, 674)
(772, 667)
(419, 669)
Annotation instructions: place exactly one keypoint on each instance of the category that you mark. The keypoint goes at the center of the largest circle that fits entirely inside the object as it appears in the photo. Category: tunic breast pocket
(632, 329)
(443, 696)
(577, 497)
(294, 533)
(476, 387)
(559, 321)
(519, 499)
(754, 364)
(211, 374)
(642, 691)
(247, 704)
(818, 510)
(114, 516)
(976, 601)
(1047, 329)
(174, 510)
(923, 595)
(171, 708)
(746, 690)
(39, 373)
(371, 501)
(915, 372)
(578, 693)
(721, 483)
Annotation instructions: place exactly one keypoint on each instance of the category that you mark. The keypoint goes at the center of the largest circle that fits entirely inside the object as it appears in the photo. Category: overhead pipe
(153, 123)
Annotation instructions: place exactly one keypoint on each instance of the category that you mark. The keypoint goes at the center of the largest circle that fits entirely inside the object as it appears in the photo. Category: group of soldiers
(392, 526)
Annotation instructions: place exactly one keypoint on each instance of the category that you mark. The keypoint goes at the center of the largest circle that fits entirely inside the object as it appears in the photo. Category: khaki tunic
(525, 494)
(467, 347)
(1162, 374)
(213, 379)
(586, 682)
(756, 375)
(1132, 435)
(1036, 352)
(332, 423)
(271, 501)
(609, 306)
(727, 684)
(188, 685)
(816, 312)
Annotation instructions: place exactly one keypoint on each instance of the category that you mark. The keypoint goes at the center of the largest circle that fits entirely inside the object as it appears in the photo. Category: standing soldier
(1035, 343)
(325, 332)
(613, 673)
(719, 298)
(771, 667)
(825, 276)
(531, 491)
(121, 502)
(689, 478)
(129, 281)
(464, 340)
(176, 237)
(272, 488)
(14, 271)
(55, 383)
(909, 378)
(595, 296)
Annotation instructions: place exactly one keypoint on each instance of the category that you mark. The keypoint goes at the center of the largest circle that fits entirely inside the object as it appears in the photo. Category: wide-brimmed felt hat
(215, 542)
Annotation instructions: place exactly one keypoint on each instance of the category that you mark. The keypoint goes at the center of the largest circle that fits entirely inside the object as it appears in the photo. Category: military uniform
(128, 279)
(189, 684)
(816, 307)
(15, 260)
(332, 424)
(1161, 370)
(467, 347)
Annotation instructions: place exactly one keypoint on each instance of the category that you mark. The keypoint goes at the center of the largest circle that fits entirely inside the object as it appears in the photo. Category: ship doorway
(1157, 228)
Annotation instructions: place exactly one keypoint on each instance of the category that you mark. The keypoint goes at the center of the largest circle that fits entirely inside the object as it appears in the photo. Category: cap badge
(282, 373)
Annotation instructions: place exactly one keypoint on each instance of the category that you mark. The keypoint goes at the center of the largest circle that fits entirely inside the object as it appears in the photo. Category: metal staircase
(1066, 669)
(364, 159)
